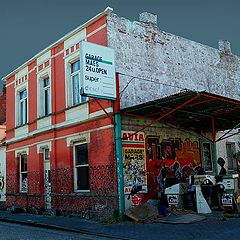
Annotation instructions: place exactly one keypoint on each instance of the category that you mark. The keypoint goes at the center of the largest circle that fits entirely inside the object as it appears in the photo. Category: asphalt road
(9, 231)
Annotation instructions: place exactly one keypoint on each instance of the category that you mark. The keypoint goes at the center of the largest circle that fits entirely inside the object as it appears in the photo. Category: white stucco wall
(2, 173)
(221, 146)
(145, 51)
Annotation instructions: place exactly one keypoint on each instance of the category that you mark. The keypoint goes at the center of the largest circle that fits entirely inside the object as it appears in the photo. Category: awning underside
(191, 110)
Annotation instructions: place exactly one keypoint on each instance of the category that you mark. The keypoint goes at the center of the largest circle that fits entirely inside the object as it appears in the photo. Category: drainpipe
(119, 157)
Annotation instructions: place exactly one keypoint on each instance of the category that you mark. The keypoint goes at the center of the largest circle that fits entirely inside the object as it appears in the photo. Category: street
(11, 231)
(210, 229)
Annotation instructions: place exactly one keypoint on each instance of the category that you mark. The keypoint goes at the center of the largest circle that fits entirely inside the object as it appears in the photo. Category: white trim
(107, 11)
(78, 166)
(19, 89)
(96, 30)
(43, 74)
(38, 131)
(58, 138)
(100, 112)
(43, 58)
(43, 145)
(20, 151)
(60, 52)
(81, 137)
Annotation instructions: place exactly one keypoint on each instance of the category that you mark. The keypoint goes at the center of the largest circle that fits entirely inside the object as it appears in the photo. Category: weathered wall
(145, 51)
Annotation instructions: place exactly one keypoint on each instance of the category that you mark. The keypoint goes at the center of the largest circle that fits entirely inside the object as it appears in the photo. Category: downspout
(119, 157)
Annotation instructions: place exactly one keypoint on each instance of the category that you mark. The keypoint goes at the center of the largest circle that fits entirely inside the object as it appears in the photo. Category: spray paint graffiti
(174, 157)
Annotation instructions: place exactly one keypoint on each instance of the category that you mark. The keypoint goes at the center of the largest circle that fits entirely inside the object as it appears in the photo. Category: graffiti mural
(176, 158)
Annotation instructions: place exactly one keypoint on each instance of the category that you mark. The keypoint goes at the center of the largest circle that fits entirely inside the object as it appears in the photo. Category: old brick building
(61, 145)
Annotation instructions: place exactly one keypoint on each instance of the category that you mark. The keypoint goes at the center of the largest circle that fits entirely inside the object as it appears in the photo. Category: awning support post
(119, 156)
(214, 145)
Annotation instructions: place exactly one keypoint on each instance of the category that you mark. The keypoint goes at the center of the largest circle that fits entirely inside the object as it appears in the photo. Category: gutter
(107, 11)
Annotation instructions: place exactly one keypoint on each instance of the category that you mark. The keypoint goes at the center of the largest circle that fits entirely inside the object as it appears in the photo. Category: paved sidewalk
(211, 228)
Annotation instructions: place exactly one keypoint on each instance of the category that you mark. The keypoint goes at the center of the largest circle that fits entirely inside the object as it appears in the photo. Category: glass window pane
(76, 90)
(75, 66)
(207, 156)
(23, 94)
(83, 178)
(46, 101)
(46, 82)
(25, 111)
(21, 112)
(81, 154)
(46, 154)
(23, 163)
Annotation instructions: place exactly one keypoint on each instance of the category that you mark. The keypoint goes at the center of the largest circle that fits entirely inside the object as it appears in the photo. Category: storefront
(177, 134)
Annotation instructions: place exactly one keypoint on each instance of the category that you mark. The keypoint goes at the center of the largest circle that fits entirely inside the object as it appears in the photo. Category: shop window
(231, 152)
(81, 171)
(22, 107)
(74, 85)
(23, 173)
(207, 156)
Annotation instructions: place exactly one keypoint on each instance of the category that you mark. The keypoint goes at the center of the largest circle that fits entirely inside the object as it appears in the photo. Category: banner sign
(97, 71)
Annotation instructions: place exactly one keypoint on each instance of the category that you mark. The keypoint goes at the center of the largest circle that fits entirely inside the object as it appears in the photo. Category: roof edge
(107, 11)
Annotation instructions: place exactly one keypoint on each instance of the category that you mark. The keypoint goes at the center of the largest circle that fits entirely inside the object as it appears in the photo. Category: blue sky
(28, 26)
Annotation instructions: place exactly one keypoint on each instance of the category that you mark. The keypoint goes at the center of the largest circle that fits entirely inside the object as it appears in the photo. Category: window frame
(21, 172)
(41, 95)
(69, 81)
(203, 157)
(20, 101)
(79, 166)
(233, 160)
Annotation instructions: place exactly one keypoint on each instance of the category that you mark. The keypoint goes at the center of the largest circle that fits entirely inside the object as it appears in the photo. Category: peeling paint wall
(163, 63)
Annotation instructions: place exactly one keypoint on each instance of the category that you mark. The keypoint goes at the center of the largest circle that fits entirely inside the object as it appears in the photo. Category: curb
(60, 228)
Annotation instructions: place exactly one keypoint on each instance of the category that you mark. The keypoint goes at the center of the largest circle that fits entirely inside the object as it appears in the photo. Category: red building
(60, 145)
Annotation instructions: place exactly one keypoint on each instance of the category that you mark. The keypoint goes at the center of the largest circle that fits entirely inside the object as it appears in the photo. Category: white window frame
(18, 105)
(21, 172)
(41, 94)
(79, 166)
(68, 76)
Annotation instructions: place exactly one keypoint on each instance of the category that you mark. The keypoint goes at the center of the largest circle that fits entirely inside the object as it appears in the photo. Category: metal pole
(119, 156)
(214, 145)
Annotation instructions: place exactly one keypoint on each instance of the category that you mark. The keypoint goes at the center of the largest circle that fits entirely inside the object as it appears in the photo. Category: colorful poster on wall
(134, 161)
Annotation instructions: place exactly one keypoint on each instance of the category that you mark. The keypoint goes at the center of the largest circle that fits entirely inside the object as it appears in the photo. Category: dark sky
(28, 26)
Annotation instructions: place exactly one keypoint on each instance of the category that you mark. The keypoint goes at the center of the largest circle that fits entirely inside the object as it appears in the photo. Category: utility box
(175, 194)
(230, 183)
(200, 179)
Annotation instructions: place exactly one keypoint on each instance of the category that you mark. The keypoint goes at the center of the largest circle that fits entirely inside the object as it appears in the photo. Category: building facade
(61, 145)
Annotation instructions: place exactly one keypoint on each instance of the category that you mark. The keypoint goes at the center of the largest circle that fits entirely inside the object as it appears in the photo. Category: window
(23, 107)
(207, 156)
(231, 152)
(75, 84)
(23, 173)
(81, 174)
(46, 96)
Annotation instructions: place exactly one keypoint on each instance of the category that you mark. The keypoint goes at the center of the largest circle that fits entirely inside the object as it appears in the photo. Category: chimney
(224, 46)
(148, 18)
